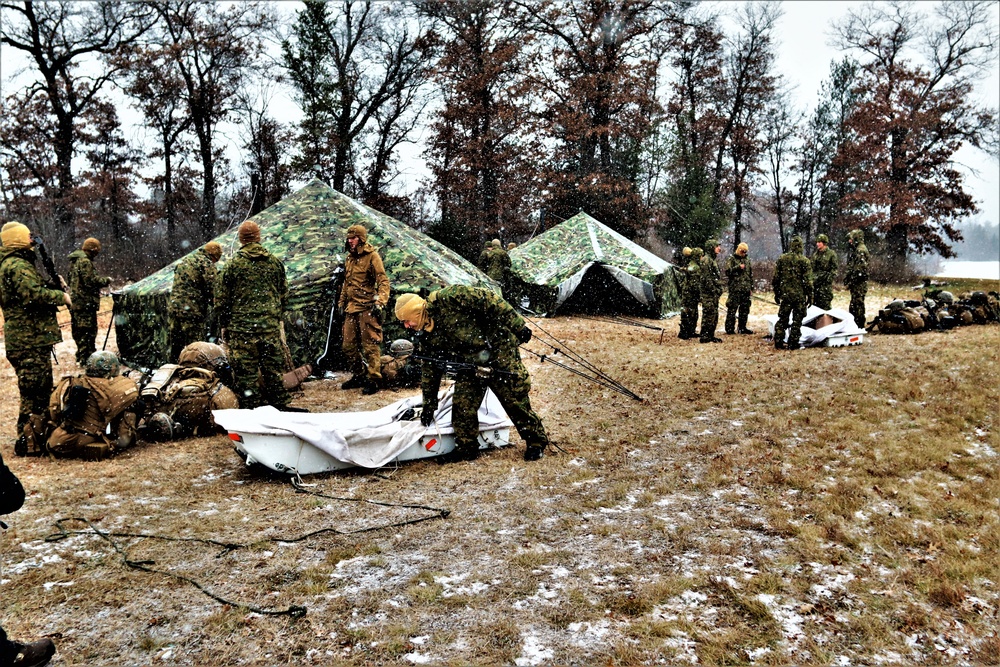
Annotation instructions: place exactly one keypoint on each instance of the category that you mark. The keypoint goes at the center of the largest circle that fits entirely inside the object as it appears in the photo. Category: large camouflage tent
(306, 231)
(581, 265)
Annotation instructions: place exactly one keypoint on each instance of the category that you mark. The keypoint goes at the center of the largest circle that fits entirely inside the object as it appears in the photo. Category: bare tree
(57, 38)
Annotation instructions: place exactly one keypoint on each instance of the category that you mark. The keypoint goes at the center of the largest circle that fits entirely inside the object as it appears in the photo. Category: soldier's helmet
(203, 354)
(978, 298)
(401, 348)
(896, 304)
(946, 297)
(159, 427)
(103, 364)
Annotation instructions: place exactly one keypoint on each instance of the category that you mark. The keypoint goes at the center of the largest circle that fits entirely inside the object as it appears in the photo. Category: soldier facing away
(250, 305)
(793, 288)
(85, 290)
(690, 293)
(475, 326)
(711, 292)
(824, 267)
(856, 275)
(30, 326)
(739, 272)
(192, 298)
(362, 301)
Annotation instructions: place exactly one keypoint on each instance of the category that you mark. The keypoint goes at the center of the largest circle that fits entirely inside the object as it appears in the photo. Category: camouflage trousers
(33, 367)
(362, 336)
(857, 307)
(182, 334)
(737, 311)
(709, 317)
(797, 311)
(84, 327)
(512, 390)
(689, 318)
(823, 296)
(258, 364)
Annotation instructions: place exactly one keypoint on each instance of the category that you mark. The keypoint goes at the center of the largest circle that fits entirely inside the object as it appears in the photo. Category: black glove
(377, 312)
(427, 414)
(524, 335)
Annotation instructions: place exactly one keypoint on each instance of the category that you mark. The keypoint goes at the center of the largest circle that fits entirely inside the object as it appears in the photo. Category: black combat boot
(371, 387)
(21, 446)
(456, 455)
(35, 654)
(353, 383)
(533, 452)
(744, 330)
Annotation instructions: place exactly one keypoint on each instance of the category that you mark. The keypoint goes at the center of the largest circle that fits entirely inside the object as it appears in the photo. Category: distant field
(824, 506)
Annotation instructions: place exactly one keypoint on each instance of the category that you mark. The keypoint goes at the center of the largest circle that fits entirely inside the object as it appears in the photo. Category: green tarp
(306, 231)
(581, 265)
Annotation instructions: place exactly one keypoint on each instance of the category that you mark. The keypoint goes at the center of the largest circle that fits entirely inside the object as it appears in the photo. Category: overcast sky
(804, 54)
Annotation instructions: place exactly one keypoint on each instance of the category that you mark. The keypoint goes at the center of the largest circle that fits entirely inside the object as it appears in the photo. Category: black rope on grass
(294, 611)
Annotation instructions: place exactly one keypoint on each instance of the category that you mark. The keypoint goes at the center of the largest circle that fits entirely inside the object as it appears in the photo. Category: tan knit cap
(249, 232)
(14, 235)
(213, 250)
(91, 245)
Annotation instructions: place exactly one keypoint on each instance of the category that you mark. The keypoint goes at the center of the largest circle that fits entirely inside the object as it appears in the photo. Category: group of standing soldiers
(798, 282)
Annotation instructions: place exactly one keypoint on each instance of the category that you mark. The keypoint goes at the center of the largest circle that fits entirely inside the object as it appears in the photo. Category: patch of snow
(533, 652)
(49, 585)
(418, 658)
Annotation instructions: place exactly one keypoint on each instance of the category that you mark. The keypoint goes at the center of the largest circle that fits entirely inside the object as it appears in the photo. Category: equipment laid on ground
(825, 328)
(310, 443)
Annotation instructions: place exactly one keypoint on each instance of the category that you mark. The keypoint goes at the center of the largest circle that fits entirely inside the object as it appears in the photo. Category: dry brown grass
(758, 507)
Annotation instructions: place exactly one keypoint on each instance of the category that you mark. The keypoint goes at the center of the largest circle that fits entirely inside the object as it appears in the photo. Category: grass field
(818, 507)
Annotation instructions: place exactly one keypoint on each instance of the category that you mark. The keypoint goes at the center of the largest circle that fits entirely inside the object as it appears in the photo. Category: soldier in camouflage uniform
(85, 290)
(192, 298)
(250, 305)
(793, 288)
(475, 326)
(498, 268)
(30, 325)
(690, 293)
(856, 275)
(363, 298)
(824, 268)
(739, 272)
(711, 292)
(483, 263)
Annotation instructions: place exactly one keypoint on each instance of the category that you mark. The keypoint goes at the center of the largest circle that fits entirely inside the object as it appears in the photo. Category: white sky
(804, 55)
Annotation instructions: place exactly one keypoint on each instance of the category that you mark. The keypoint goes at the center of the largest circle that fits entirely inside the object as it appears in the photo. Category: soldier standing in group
(85, 290)
(793, 287)
(690, 292)
(711, 292)
(498, 268)
(475, 326)
(856, 275)
(362, 301)
(30, 325)
(250, 306)
(739, 272)
(484, 256)
(824, 268)
(511, 246)
(192, 298)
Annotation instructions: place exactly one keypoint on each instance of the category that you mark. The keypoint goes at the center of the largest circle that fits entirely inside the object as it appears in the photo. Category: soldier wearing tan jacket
(362, 301)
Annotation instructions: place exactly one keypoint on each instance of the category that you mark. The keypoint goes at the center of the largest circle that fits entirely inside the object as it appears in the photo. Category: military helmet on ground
(896, 304)
(401, 348)
(946, 297)
(202, 354)
(103, 364)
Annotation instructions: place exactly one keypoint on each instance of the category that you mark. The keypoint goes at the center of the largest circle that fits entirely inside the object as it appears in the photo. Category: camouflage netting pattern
(305, 231)
(543, 263)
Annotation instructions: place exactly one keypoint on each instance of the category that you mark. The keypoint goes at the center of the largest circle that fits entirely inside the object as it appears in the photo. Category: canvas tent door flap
(582, 265)
(305, 231)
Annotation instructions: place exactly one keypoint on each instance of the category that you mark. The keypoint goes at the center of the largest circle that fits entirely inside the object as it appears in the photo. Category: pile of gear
(937, 310)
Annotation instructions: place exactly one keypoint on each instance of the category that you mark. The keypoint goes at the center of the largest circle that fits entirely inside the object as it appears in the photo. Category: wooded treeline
(668, 121)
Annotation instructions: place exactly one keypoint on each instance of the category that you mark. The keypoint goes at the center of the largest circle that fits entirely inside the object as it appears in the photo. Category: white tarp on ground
(839, 323)
(366, 439)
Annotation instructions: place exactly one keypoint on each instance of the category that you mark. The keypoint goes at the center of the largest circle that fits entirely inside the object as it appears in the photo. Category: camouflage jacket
(692, 282)
(793, 277)
(252, 292)
(824, 267)
(193, 292)
(29, 306)
(856, 272)
(739, 273)
(471, 325)
(84, 283)
(711, 277)
(498, 265)
(365, 282)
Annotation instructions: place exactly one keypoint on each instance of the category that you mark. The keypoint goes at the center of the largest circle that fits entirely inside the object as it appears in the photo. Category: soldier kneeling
(180, 397)
(91, 416)
(397, 371)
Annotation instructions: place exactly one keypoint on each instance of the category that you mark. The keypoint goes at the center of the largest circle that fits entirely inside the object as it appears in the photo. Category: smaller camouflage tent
(306, 231)
(581, 265)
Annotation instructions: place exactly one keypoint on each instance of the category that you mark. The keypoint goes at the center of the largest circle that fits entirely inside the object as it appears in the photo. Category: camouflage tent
(306, 231)
(582, 265)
